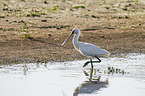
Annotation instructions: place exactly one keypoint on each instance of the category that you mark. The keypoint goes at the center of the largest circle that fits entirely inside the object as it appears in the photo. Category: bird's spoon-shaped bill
(66, 39)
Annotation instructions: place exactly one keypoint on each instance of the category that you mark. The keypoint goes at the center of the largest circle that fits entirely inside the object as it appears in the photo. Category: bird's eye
(73, 31)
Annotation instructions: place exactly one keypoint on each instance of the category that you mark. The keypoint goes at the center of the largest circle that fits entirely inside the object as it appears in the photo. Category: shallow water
(71, 79)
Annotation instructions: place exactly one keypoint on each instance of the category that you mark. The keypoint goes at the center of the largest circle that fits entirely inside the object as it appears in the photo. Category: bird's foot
(90, 62)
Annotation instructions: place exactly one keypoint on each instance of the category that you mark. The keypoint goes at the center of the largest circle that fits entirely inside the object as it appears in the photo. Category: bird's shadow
(93, 84)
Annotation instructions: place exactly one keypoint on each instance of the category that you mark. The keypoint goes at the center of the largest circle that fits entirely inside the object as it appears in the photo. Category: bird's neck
(75, 39)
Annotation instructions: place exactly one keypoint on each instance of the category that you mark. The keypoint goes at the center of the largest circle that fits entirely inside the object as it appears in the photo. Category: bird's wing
(92, 50)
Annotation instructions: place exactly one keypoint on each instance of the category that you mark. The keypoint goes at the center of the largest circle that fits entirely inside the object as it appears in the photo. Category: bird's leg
(92, 62)
(98, 59)
(86, 63)
(89, 62)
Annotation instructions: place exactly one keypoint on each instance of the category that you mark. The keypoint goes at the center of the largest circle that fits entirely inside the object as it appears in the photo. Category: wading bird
(87, 49)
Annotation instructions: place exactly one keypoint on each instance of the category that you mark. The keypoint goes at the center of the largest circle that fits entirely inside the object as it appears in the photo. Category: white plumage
(91, 50)
(87, 49)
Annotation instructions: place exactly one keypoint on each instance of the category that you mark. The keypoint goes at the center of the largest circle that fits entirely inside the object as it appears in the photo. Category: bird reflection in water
(92, 85)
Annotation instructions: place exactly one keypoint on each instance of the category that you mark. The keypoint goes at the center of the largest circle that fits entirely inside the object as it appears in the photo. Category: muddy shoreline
(33, 34)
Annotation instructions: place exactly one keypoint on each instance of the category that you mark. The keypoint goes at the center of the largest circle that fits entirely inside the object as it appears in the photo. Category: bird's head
(74, 31)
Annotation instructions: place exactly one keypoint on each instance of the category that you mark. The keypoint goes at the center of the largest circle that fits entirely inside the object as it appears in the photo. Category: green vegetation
(25, 31)
(54, 7)
(2, 16)
(112, 70)
(79, 6)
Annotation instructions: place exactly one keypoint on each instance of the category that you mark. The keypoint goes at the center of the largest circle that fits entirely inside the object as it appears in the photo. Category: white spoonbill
(87, 49)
